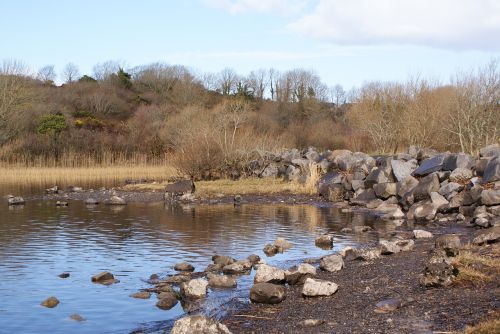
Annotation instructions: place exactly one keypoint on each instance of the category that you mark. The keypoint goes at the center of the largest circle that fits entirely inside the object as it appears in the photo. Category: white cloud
(279, 7)
(451, 24)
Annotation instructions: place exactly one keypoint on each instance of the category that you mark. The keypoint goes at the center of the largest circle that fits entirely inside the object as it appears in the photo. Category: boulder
(315, 287)
(366, 254)
(331, 263)
(50, 302)
(324, 241)
(269, 274)
(402, 169)
(406, 185)
(357, 184)
(487, 236)
(431, 165)
(267, 293)
(292, 173)
(194, 289)
(327, 181)
(336, 193)
(421, 234)
(490, 197)
(364, 197)
(492, 171)
(460, 175)
(422, 211)
(116, 200)
(298, 274)
(91, 201)
(385, 190)
(424, 153)
(271, 170)
(166, 300)
(438, 200)
(388, 247)
(437, 274)
(450, 243)
(223, 260)
(198, 324)
(180, 188)
(253, 258)
(282, 244)
(376, 176)
(425, 187)
(221, 281)
(11, 200)
(390, 211)
(270, 250)
(490, 151)
(184, 266)
(458, 160)
(450, 188)
(237, 267)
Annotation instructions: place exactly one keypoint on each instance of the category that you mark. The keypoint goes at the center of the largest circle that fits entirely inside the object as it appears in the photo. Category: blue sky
(344, 41)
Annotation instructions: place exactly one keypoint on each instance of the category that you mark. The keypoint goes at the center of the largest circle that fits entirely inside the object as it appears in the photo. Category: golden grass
(253, 186)
(81, 175)
(486, 327)
(476, 268)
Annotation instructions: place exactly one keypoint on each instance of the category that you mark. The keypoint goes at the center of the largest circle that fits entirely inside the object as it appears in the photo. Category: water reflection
(39, 241)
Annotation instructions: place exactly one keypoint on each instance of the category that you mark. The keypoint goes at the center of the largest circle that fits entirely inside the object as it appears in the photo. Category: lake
(39, 241)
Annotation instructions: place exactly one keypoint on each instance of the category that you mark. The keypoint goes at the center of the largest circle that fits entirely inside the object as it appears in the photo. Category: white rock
(331, 263)
(198, 324)
(421, 234)
(269, 274)
(315, 287)
(195, 288)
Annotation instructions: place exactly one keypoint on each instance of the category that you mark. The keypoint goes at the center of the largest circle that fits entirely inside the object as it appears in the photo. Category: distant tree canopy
(160, 111)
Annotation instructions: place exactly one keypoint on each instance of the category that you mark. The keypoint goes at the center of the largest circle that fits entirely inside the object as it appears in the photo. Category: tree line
(161, 113)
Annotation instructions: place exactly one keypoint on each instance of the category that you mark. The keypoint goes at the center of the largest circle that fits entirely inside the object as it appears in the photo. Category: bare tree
(258, 82)
(15, 95)
(338, 95)
(70, 73)
(102, 71)
(47, 74)
(227, 81)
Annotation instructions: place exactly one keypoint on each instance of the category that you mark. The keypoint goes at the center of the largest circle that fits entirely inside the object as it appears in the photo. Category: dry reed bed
(82, 175)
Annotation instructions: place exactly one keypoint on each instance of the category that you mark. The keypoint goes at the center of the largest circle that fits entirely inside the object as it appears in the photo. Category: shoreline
(362, 284)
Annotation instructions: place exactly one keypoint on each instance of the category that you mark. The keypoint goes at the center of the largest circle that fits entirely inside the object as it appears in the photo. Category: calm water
(40, 241)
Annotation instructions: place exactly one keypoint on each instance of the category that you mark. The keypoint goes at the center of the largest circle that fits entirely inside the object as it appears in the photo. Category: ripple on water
(41, 241)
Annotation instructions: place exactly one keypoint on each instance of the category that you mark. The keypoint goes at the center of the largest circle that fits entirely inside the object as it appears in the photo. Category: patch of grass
(247, 186)
(476, 268)
(487, 326)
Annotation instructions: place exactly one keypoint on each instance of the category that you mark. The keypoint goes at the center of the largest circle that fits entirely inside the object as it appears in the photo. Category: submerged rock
(197, 325)
(63, 275)
(267, 293)
(184, 266)
(50, 302)
(141, 295)
(76, 317)
(221, 281)
(105, 278)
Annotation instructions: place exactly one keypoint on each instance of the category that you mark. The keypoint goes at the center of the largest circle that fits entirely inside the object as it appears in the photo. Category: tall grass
(81, 176)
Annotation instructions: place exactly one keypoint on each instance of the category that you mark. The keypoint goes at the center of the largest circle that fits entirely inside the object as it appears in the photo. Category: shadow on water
(40, 241)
